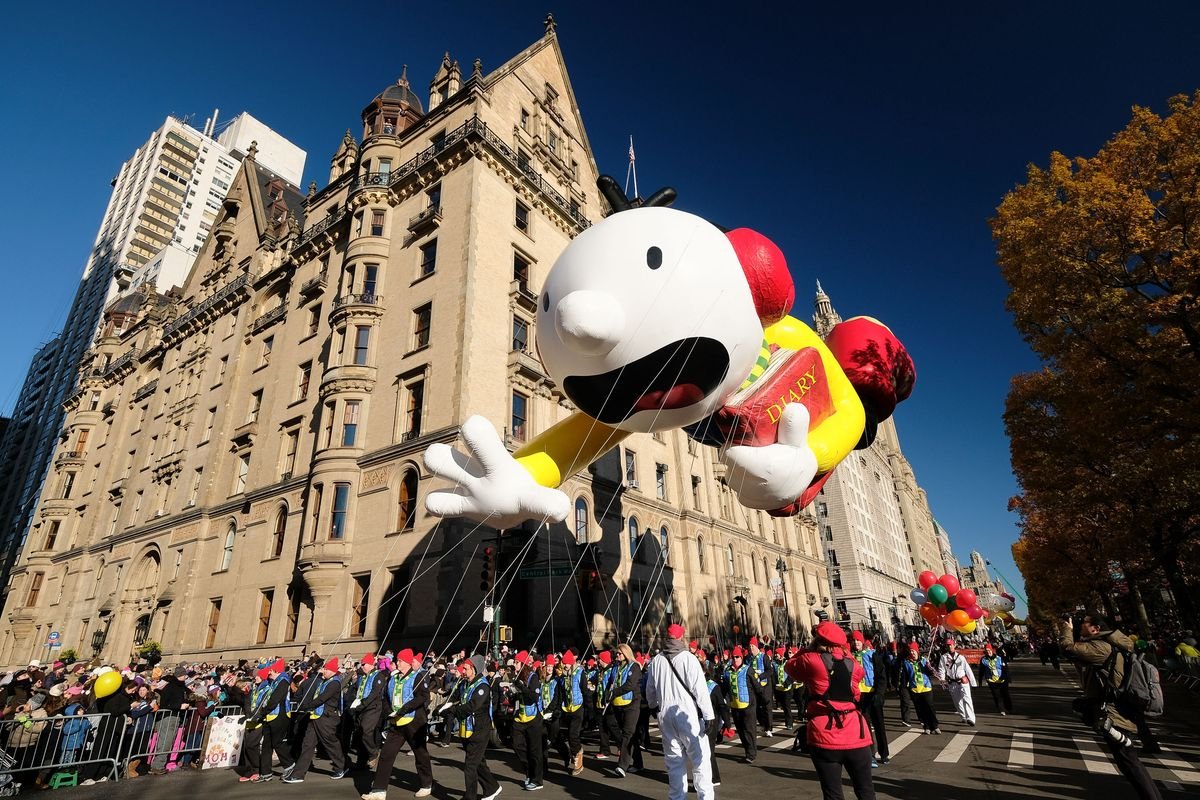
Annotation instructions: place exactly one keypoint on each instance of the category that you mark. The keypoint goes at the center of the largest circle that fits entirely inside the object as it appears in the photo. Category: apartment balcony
(270, 318)
(427, 220)
(326, 553)
(315, 285)
(245, 433)
(58, 506)
(117, 487)
(520, 294)
(524, 364)
(368, 304)
(348, 377)
(145, 391)
(71, 458)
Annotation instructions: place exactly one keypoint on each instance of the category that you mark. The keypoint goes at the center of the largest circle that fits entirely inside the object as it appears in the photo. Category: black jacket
(329, 696)
(277, 699)
(478, 706)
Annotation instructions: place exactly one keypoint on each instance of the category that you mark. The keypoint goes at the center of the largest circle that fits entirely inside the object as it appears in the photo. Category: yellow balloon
(968, 628)
(107, 684)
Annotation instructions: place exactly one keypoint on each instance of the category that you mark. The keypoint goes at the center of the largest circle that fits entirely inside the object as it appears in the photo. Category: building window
(421, 320)
(696, 493)
(370, 281)
(520, 334)
(521, 271)
(52, 534)
(660, 481)
(293, 614)
(291, 443)
(337, 515)
(68, 485)
(522, 217)
(209, 421)
(314, 319)
(630, 469)
(350, 422)
(243, 466)
(663, 541)
(264, 615)
(700, 552)
(362, 338)
(327, 434)
(552, 141)
(408, 501)
(81, 442)
(524, 120)
(428, 258)
(255, 406)
(385, 168)
(435, 197)
(268, 345)
(581, 521)
(279, 534)
(833, 558)
(730, 568)
(522, 160)
(305, 378)
(316, 510)
(214, 619)
(358, 608)
(222, 365)
(828, 533)
(520, 415)
(227, 552)
(822, 509)
(634, 538)
(377, 223)
(415, 411)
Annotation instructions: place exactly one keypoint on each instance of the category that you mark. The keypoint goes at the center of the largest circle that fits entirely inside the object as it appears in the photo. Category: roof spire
(551, 25)
(824, 316)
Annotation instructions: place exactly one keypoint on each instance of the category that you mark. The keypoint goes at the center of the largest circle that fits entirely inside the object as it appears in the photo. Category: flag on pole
(632, 157)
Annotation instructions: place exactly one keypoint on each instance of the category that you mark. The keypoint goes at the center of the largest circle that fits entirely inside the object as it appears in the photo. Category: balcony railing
(322, 226)
(270, 318)
(146, 390)
(373, 179)
(70, 457)
(123, 361)
(223, 293)
(315, 283)
(430, 217)
(367, 299)
(520, 293)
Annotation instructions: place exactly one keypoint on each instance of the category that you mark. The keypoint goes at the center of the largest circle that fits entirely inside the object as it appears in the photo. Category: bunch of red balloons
(943, 602)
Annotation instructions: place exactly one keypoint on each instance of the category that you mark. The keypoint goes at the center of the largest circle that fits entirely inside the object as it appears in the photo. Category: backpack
(840, 675)
(1140, 690)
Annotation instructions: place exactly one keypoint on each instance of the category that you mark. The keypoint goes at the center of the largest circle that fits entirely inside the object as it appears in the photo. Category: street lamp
(781, 567)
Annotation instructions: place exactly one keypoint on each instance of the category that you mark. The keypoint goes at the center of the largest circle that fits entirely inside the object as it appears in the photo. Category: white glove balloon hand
(775, 475)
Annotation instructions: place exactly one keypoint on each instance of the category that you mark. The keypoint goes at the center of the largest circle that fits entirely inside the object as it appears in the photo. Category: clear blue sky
(871, 146)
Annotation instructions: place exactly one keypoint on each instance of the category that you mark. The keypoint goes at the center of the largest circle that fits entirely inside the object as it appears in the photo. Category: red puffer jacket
(832, 724)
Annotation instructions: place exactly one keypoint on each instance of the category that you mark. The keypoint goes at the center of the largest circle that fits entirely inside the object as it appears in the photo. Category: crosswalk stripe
(1021, 753)
(953, 751)
(1095, 759)
(1182, 769)
(902, 741)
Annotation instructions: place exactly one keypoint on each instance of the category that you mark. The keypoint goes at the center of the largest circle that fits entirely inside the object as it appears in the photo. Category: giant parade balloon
(654, 319)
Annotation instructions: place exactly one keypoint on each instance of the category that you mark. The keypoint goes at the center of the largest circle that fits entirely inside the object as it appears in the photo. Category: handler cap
(675, 631)
(331, 664)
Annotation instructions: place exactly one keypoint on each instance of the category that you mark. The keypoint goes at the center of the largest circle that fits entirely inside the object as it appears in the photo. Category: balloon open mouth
(678, 375)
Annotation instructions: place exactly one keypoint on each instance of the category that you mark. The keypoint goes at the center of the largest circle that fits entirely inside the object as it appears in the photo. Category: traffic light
(506, 633)
(487, 575)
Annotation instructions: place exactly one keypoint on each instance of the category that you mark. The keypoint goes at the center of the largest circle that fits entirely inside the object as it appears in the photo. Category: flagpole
(631, 170)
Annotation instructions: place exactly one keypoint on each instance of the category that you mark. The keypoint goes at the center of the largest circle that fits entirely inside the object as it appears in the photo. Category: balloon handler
(655, 319)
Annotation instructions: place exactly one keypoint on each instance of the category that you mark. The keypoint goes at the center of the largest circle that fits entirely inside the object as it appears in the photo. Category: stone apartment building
(240, 473)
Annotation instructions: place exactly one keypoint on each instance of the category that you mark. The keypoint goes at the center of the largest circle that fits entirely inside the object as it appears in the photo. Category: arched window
(146, 580)
(753, 570)
(730, 570)
(141, 631)
(227, 555)
(700, 552)
(633, 538)
(408, 500)
(662, 540)
(581, 521)
(280, 533)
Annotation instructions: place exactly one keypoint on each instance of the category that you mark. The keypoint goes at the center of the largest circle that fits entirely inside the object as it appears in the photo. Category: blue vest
(739, 686)
(915, 677)
(622, 676)
(365, 683)
(994, 667)
(401, 689)
(466, 725)
(527, 712)
(782, 679)
(604, 679)
(319, 711)
(760, 669)
(867, 662)
(573, 690)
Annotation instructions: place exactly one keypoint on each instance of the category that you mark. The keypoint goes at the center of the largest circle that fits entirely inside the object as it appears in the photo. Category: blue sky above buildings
(871, 146)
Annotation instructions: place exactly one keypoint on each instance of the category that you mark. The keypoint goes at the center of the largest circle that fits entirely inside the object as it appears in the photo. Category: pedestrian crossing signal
(506, 633)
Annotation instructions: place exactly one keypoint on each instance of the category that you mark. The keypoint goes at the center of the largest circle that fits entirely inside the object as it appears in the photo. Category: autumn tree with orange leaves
(1102, 257)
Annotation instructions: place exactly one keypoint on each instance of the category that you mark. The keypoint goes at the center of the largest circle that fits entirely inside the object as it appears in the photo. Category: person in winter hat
(675, 685)
(324, 706)
(837, 732)
(367, 709)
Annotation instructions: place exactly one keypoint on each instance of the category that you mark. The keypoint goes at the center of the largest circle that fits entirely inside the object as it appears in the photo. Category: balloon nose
(590, 323)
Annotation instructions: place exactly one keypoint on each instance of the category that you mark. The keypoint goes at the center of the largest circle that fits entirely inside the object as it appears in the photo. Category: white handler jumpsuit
(683, 728)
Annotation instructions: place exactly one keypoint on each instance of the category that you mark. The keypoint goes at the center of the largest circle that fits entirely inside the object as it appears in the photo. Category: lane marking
(1095, 759)
(953, 751)
(1182, 769)
(1021, 753)
(902, 741)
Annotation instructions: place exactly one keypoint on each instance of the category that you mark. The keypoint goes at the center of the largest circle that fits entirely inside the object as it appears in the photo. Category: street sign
(55, 644)
(532, 573)
(54, 636)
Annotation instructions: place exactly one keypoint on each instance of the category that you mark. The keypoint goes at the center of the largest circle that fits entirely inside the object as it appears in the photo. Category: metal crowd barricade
(169, 740)
(32, 745)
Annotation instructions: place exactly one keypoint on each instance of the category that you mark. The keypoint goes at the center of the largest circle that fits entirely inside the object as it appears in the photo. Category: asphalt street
(1041, 750)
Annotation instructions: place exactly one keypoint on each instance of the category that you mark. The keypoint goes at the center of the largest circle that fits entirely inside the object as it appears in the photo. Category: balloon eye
(545, 301)
(654, 258)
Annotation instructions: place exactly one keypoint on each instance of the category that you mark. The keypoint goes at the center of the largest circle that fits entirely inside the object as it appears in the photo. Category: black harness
(840, 689)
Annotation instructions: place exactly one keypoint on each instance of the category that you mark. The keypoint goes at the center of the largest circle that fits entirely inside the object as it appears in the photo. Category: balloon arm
(838, 434)
(567, 447)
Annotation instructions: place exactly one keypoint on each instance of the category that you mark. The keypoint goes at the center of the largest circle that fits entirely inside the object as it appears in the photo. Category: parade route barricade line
(171, 738)
(1180, 768)
(902, 741)
(1020, 754)
(1095, 759)
(58, 744)
(953, 751)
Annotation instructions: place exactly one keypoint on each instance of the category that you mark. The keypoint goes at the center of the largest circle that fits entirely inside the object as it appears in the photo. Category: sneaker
(337, 776)
(88, 782)
(885, 761)
(716, 783)
(287, 772)
(424, 791)
(938, 731)
(1004, 713)
(906, 724)
(602, 756)
(264, 777)
(971, 722)
(374, 794)
(248, 778)
(495, 794)
(769, 732)
(290, 779)
(532, 787)
(874, 764)
(620, 772)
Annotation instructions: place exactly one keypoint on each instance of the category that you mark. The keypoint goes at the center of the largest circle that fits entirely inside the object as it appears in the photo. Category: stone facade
(250, 481)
